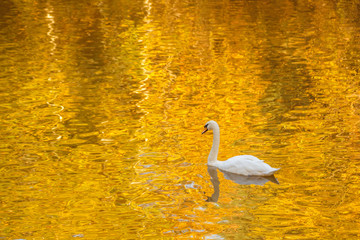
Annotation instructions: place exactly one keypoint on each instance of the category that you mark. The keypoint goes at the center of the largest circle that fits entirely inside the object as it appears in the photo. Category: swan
(244, 164)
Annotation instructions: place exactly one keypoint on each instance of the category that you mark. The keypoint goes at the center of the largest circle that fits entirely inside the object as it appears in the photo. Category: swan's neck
(215, 146)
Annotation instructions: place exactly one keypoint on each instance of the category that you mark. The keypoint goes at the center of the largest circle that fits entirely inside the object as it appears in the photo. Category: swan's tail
(273, 171)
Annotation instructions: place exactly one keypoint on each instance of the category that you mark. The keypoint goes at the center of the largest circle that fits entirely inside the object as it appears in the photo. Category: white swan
(244, 164)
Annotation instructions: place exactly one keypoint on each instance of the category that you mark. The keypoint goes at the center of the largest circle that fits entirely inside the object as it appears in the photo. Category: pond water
(103, 102)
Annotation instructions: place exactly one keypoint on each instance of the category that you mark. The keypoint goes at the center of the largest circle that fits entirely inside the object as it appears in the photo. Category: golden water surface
(102, 104)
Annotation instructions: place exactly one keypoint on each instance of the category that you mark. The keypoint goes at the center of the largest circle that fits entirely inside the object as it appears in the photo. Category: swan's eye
(206, 125)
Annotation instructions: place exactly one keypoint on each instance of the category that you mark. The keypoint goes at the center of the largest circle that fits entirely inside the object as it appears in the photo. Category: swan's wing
(247, 165)
(248, 158)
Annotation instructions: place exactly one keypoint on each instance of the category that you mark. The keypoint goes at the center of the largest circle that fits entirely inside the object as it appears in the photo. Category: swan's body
(244, 164)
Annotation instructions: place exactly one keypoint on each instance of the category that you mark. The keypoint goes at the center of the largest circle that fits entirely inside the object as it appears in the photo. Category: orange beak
(205, 130)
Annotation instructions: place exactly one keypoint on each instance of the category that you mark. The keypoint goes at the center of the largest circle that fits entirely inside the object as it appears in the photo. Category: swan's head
(210, 125)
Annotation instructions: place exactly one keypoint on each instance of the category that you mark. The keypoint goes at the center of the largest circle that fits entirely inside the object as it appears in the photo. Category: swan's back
(246, 165)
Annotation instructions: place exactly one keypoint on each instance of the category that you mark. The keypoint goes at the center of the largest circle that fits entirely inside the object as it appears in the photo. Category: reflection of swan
(216, 183)
(244, 164)
(239, 179)
(248, 180)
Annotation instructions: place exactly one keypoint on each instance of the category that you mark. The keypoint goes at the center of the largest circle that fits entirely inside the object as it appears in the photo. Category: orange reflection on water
(111, 147)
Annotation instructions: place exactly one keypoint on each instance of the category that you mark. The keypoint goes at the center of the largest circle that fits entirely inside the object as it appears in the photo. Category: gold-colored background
(102, 105)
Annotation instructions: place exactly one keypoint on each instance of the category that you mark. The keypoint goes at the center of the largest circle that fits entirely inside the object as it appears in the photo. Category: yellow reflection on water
(111, 146)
